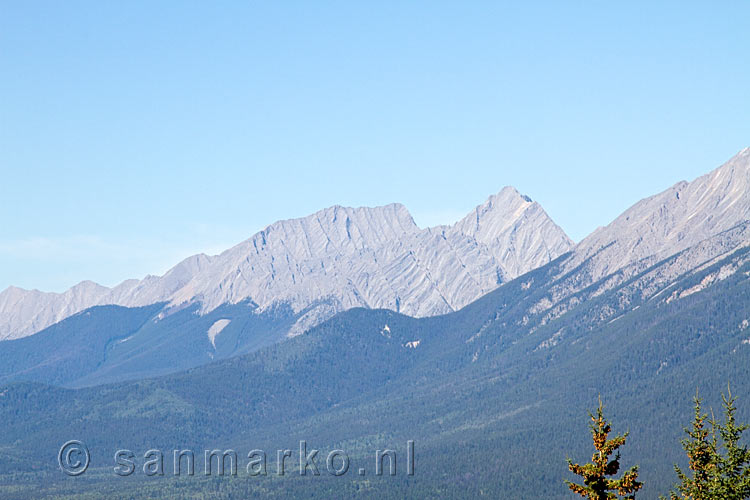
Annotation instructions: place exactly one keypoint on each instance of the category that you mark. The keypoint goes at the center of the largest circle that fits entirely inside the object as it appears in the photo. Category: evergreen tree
(596, 485)
(701, 449)
(734, 464)
(718, 472)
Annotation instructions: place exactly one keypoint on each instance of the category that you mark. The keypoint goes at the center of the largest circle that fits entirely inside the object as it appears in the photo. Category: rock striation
(330, 261)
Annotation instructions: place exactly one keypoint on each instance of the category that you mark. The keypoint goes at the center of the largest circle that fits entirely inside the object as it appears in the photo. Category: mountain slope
(494, 394)
(330, 261)
(690, 224)
(349, 259)
(106, 344)
(72, 348)
(672, 220)
(517, 249)
(494, 402)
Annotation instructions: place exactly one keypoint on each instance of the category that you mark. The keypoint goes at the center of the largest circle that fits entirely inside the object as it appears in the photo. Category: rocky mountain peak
(517, 231)
(673, 220)
(334, 259)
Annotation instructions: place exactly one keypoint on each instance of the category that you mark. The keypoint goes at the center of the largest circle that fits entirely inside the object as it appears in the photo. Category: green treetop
(597, 481)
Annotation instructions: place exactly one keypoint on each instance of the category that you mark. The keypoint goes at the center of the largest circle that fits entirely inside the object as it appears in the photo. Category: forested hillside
(495, 398)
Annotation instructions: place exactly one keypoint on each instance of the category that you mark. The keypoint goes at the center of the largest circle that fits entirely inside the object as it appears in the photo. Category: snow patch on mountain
(216, 329)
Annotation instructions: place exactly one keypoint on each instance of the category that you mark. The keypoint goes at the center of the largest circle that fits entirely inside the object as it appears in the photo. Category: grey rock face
(692, 224)
(671, 221)
(508, 238)
(340, 257)
(330, 261)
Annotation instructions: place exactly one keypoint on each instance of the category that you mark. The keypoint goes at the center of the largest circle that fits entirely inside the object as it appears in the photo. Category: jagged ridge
(331, 261)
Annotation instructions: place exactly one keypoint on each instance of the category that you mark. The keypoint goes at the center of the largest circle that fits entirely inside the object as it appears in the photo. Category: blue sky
(133, 134)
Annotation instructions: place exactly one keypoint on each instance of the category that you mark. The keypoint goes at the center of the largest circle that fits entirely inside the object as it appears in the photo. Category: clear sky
(136, 133)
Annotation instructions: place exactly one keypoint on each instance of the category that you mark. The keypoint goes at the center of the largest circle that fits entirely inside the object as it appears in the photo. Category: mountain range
(328, 262)
(484, 341)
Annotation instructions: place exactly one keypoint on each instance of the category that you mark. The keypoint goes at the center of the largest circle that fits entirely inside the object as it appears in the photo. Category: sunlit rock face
(335, 259)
